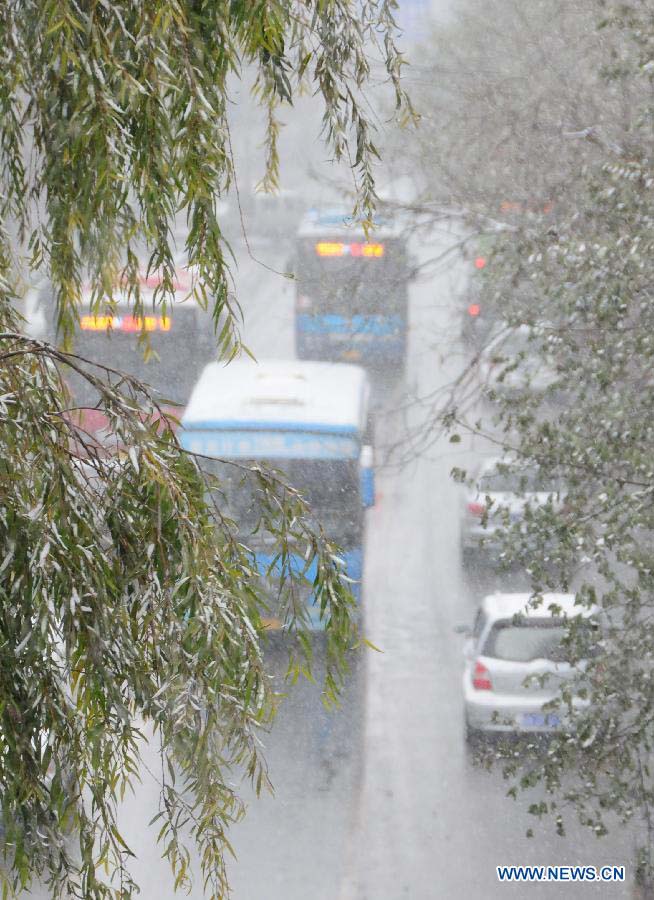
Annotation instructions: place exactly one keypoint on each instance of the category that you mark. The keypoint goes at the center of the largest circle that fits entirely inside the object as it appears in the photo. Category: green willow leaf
(129, 608)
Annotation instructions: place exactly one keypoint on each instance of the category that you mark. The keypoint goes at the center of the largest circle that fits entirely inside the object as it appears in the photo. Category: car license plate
(540, 720)
(351, 355)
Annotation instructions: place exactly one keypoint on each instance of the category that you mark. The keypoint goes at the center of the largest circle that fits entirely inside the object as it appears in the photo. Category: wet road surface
(401, 811)
(380, 801)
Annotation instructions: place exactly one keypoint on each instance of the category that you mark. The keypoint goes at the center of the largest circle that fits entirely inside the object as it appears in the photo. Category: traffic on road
(382, 798)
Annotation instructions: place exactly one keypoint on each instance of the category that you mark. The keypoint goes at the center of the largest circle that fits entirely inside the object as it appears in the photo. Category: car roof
(281, 394)
(490, 463)
(505, 606)
(515, 466)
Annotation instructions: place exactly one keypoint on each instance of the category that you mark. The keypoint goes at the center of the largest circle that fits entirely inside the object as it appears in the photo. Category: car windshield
(551, 639)
(521, 347)
(331, 488)
(515, 341)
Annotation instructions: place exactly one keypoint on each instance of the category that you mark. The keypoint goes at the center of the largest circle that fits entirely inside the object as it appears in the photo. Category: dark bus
(181, 343)
(351, 300)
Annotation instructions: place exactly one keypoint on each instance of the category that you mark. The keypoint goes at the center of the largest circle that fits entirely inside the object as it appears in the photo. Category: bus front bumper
(356, 348)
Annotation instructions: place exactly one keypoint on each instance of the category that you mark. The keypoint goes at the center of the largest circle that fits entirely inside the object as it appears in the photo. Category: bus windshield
(330, 487)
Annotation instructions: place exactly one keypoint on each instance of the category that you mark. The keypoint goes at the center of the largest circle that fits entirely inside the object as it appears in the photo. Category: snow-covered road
(379, 801)
(393, 808)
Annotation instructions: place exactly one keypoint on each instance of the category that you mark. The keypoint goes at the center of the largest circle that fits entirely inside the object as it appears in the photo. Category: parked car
(516, 659)
(514, 363)
(501, 491)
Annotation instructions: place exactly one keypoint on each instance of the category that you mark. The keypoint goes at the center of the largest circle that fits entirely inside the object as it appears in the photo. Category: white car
(517, 658)
(502, 489)
(514, 363)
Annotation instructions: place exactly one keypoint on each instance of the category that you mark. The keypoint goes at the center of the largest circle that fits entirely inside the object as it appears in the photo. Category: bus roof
(338, 221)
(276, 394)
(183, 282)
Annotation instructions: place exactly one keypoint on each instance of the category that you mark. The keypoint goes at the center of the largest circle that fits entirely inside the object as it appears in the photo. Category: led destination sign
(132, 324)
(335, 248)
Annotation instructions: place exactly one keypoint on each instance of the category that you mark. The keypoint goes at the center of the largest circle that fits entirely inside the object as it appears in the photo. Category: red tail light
(476, 509)
(474, 309)
(597, 675)
(481, 678)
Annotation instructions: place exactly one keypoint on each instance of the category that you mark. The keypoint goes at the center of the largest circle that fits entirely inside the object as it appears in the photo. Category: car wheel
(474, 737)
(476, 741)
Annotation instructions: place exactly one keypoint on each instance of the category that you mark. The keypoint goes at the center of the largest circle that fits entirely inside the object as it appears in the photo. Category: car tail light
(476, 509)
(481, 678)
(303, 302)
(474, 309)
(598, 673)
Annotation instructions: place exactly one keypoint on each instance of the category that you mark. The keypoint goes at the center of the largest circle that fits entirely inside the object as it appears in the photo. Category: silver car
(502, 489)
(514, 364)
(517, 658)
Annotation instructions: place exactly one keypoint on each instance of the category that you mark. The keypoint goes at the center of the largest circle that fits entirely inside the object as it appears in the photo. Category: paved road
(399, 811)
(429, 824)
(379, 801)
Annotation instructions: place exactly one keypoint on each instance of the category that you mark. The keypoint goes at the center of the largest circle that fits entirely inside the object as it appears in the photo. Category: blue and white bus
(351, 300)
(309, 420)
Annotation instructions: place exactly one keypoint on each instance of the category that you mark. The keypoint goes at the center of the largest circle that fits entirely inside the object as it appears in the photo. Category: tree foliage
(578, 276)
(591, 433)
(130, 604)
(495, 140)
(115, 119)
